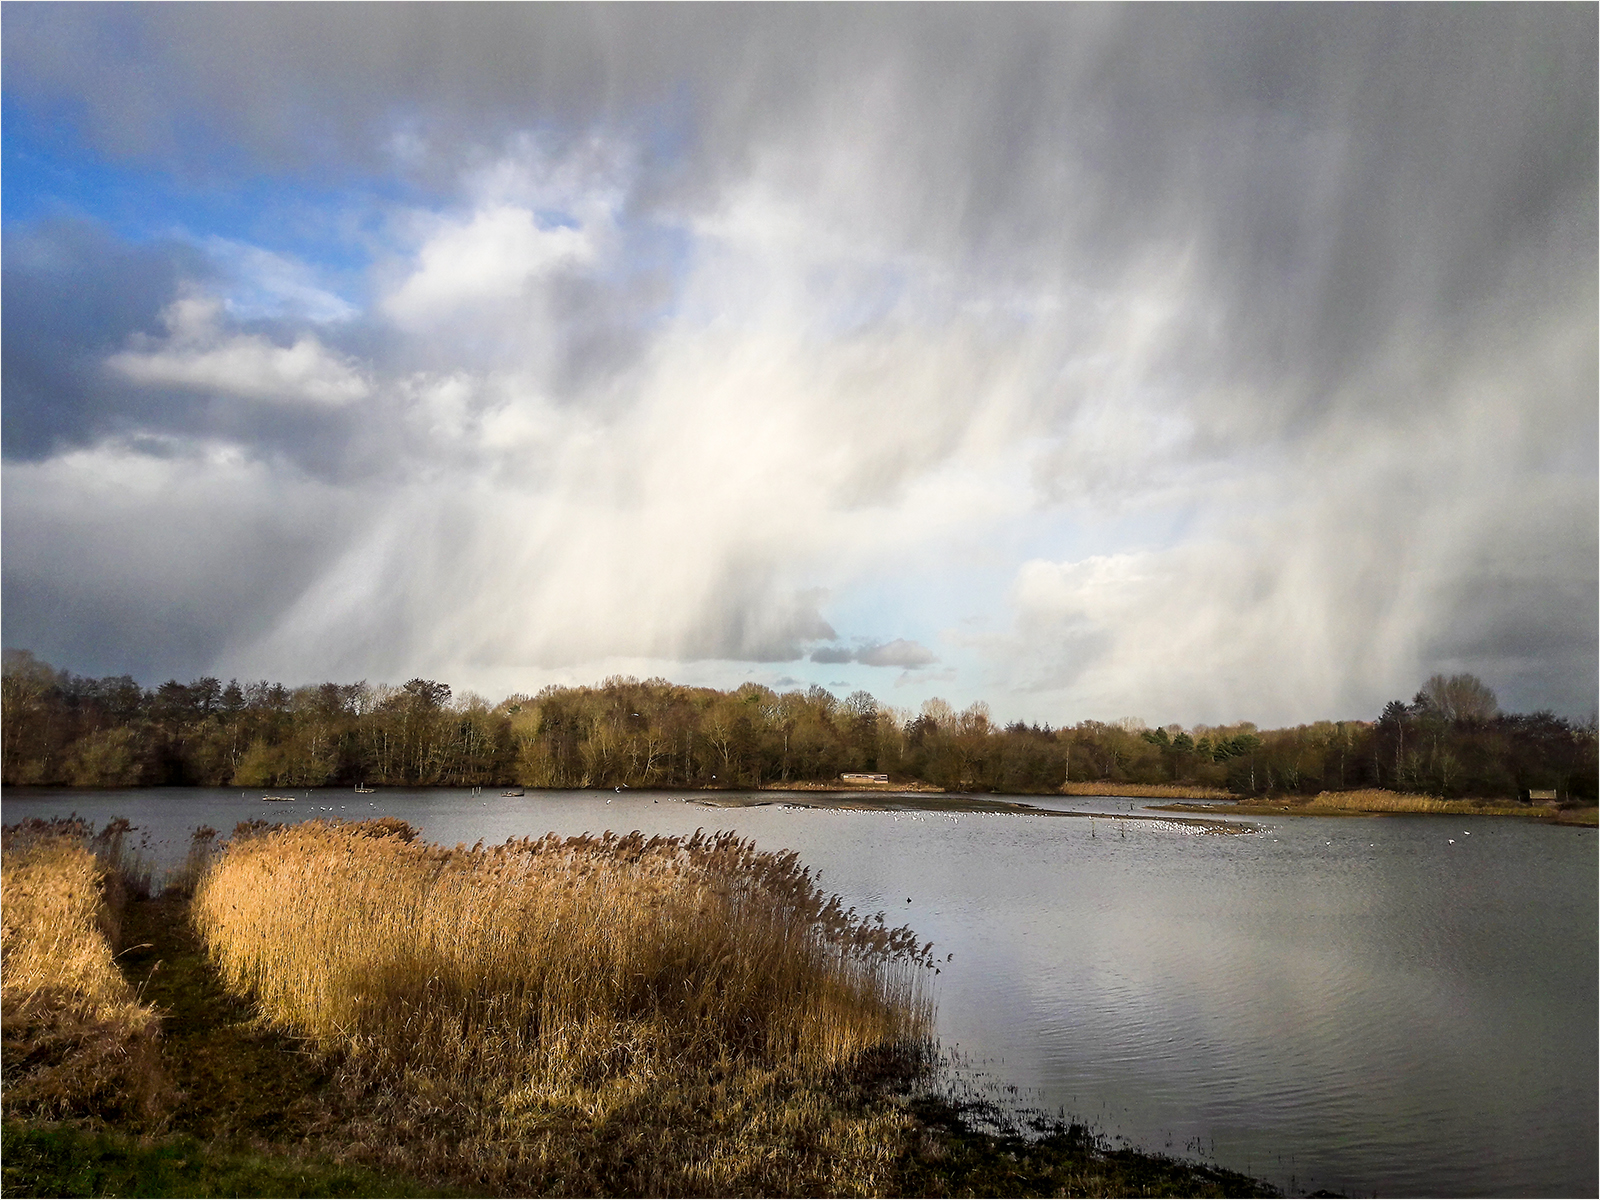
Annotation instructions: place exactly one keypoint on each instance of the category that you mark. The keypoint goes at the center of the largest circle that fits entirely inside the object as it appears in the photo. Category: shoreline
(914, 785)
(961, 803)
(1578, 818)
(916, 796)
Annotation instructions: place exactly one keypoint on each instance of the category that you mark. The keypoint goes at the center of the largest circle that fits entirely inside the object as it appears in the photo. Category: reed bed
(583, 969)
(76, 1039)
(1152, 791)
(1383, 800)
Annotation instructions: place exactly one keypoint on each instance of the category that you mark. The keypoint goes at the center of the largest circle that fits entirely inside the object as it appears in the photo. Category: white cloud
(488, 259)
(200, 356)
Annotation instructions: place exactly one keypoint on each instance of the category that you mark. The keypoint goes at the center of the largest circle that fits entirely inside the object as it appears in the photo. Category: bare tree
(1461, 698)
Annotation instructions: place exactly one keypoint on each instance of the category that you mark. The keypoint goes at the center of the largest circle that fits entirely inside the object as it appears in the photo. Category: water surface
(1399, 1006)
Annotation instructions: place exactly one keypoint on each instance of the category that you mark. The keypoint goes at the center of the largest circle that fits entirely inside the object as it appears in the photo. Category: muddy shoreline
(903, 801)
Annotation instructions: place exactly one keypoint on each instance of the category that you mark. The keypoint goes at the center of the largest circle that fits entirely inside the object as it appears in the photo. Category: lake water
(1392, 1006)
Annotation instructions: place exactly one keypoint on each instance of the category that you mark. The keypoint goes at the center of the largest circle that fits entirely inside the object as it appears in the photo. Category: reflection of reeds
(76, 1038)
(555, 966)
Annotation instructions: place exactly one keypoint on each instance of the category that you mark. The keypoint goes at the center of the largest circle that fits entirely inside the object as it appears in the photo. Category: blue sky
(1088, 363)
(51, 174)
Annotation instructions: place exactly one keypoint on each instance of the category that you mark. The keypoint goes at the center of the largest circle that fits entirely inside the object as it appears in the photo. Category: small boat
(363, 790)
(282, 798)
(513, 792)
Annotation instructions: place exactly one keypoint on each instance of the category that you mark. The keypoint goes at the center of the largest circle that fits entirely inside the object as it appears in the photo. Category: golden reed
(1152, 791)
(76, 1038)
(1383, 800)
(555, 966)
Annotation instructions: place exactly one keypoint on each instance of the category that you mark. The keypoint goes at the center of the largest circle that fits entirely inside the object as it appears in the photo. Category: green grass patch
(65, 1160)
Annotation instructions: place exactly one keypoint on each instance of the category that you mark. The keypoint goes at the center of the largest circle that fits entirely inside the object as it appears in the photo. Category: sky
(1195, 364)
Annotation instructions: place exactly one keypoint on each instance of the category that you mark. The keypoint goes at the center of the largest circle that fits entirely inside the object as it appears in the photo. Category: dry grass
(911, 785)
(1382, 800)
(682, 1009)
(1155, 791)
(76, 1039)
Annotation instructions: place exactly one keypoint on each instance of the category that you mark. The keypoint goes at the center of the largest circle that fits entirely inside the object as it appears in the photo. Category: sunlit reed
(1381, 800)
(76, 1037)
(555, 964)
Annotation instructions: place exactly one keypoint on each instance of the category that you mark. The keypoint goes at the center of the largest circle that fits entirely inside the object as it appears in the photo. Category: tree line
(61, 729)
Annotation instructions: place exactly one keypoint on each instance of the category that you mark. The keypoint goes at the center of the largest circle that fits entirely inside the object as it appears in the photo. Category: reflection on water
(1360, 1005)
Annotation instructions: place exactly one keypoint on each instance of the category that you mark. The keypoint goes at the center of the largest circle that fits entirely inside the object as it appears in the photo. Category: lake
(1403, 1005)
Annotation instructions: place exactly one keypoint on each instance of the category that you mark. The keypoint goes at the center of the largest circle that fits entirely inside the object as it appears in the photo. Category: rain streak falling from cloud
(1204, 363)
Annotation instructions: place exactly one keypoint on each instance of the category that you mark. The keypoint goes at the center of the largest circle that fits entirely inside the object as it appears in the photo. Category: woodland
(61, 729)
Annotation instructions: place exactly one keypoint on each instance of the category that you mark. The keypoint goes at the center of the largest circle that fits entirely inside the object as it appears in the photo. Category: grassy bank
(593, 1016)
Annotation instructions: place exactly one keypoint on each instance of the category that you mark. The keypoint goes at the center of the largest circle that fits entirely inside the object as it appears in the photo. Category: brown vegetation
(896, 786)
(1154, 791)
(76, 1038)
(603, 983)
(555, 951)
(1381, 800)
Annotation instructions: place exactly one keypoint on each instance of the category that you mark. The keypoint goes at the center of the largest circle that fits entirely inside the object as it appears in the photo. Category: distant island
(1449, 742)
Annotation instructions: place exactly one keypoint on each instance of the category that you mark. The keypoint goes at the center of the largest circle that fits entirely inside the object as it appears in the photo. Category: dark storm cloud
(73, 294)
(833, 654)
(74, 297)
(85, 602)
(159, 573)
(747, 621)
(1525, 618)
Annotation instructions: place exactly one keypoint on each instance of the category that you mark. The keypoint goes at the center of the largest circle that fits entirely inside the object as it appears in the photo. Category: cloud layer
(1201, 364)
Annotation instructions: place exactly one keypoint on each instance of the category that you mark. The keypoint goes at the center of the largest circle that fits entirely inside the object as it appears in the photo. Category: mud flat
(958, 803)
